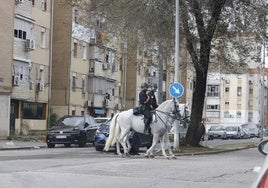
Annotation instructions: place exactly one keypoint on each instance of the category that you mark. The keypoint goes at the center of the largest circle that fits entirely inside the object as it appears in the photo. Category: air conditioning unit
(16, 80)
(104, 66)
(227, 81)
(32, 44)
(41, 86)
(30, 85)
(89, 103)
(19, 1)
(238, 93)
(29, 44)
(119, 106)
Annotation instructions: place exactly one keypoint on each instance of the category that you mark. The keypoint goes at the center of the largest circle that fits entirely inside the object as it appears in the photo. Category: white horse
(125, 122)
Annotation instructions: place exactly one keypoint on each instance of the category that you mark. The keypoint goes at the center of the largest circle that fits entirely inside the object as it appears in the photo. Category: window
(20, 34)
(83, 85)
(250, 91)
(75, 16)
(226, 114)
(239, 90)
(44, 5)
(74, 81)
(75, 49)
(213, 107)
(42, 74)
(238, 114)
(84, 52)
(31, 110)
(226, 103)
(43, 38)
(213, 91)
(227, 89)
(73, 112)
(250, 103)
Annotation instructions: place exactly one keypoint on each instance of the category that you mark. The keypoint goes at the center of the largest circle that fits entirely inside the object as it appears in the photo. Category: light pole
(176, 77)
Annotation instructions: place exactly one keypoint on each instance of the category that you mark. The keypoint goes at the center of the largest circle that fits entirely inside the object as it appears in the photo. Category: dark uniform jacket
(152, 100)
(144, 107)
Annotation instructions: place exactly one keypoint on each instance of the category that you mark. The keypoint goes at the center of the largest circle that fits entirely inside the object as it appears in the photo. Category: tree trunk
(195, 130)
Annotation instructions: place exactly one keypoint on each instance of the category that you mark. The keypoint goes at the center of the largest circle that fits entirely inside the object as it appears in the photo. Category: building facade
(24, 85)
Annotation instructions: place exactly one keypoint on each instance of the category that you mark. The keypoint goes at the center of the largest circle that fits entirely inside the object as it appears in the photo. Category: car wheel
(83, 140)
(67, 145)
(99, 148)
(49, 145)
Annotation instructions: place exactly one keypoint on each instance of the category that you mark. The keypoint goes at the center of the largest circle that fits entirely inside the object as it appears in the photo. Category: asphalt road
(85, 168)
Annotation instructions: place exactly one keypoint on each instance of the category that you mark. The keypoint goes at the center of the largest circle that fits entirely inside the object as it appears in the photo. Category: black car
(136, 140)
(72, 130)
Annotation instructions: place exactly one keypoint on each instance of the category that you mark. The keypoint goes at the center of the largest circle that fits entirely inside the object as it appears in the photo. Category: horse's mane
(166, 105)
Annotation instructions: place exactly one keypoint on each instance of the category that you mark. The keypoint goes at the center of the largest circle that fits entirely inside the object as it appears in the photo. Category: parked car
(217, 131)
(254, 132)
(245, 134)
(262, 178)
(72, 130)
(232, 132)
(100, 120)
(137, 140)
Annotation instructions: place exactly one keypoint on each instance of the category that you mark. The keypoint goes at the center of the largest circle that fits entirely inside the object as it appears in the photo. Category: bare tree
(201, 21)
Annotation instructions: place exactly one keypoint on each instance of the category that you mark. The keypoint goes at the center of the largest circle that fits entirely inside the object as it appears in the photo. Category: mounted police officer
(152, 100)
(145, 106)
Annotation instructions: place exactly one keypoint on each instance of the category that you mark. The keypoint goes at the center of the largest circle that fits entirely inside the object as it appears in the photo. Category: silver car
(217, 131)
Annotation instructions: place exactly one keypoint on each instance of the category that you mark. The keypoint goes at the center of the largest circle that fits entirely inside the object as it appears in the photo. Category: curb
(23, 147)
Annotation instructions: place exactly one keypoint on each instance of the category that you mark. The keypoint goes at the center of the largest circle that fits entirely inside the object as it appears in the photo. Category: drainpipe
(50, 60)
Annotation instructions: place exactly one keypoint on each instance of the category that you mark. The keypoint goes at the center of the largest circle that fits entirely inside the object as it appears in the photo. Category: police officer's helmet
(144, 85)
(155, 85)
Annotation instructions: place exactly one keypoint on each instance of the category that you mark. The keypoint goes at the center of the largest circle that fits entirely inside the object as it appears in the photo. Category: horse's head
(176, 110)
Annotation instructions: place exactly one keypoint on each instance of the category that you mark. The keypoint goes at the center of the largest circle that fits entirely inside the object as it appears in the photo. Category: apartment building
(25, 65)
(86, 71)
(31, 66)
(238, 98)
(6, 59)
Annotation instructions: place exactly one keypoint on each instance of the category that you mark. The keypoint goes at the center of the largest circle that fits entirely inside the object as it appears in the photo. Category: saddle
(136, 111)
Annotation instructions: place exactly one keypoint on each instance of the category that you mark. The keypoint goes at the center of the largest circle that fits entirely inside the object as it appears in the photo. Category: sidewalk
(16, 144)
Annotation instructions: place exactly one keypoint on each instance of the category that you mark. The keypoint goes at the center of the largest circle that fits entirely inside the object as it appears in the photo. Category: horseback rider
(152, 101)
(145, 107)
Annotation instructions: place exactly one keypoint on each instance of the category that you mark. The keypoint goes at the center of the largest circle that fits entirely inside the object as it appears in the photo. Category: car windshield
(100, 120)
(216, 128)
(106, 124)
(74, 121)
(231, 128)
(253, 129)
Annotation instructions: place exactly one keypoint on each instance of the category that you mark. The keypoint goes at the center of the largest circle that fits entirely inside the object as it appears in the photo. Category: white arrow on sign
(176, 90)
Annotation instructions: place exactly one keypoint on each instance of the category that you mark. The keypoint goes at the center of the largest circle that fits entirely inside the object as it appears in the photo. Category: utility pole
(177, 76)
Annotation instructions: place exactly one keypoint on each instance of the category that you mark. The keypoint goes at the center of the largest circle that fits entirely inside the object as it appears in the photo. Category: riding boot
(147, 129)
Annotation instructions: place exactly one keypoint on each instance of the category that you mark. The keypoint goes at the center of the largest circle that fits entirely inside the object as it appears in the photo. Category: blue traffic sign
(176, 90)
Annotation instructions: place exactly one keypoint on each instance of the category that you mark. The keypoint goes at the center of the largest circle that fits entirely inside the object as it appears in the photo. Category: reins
(173, 116)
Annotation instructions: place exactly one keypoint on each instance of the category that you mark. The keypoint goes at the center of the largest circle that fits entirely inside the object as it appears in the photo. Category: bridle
(175, 114)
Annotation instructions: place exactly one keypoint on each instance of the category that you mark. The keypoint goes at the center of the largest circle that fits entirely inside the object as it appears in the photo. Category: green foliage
(52, 119)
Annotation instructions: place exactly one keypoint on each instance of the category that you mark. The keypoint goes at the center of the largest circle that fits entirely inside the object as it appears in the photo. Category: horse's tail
(116, 133)
(111, 133)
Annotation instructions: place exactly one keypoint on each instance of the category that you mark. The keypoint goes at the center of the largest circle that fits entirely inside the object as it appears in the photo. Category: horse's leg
(118, 149)
(127, 141)
(149, 152)
(163, 147)
(169, 147)
(122, 141)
